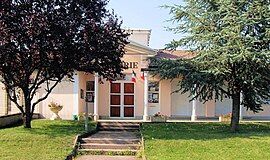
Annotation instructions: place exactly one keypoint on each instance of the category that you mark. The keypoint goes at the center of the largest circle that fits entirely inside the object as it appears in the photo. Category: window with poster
(90, 91)
(153, 92)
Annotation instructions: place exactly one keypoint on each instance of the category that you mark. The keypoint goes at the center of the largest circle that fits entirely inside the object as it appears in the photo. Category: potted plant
(81, 116)
(225, 117)
(55, 108)
(158, 117)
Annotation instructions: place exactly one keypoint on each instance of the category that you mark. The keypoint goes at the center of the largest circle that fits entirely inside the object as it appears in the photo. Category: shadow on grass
(19, 123)
(203, 131)
(56, 128)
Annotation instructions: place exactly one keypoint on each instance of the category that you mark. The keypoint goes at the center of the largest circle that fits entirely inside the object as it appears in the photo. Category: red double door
(122, 100)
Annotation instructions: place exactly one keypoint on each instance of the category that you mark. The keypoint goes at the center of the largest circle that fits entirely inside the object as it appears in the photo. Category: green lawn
(174, 141)
(47, 140)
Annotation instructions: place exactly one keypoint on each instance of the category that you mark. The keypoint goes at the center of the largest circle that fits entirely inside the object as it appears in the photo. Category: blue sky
(146, 14)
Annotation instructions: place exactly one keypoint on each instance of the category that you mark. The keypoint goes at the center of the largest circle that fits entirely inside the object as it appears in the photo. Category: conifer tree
(231, 40)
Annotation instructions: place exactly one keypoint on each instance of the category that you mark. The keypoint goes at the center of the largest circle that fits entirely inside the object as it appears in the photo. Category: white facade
(147, 101)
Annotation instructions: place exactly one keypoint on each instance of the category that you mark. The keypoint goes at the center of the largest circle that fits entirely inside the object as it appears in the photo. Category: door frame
(122, 82)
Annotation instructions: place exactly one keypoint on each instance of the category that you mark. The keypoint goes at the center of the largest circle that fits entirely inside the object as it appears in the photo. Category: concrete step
(121, 126)
(110, 146)
(126, 124)
(116, 136)
(113, 137)
(111, 140)
(107, 151)
(118, 128)
(117, 133)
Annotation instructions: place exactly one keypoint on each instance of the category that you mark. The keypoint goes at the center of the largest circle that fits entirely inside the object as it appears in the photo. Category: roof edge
(142, 48)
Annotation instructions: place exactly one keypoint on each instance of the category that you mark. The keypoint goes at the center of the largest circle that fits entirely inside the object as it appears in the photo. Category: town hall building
(137, 96)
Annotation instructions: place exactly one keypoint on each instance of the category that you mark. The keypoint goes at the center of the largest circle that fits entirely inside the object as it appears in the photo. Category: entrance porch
(128, 101)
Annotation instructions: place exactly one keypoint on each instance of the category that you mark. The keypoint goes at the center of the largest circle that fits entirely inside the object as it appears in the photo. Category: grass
(46, 140)
(200, 141)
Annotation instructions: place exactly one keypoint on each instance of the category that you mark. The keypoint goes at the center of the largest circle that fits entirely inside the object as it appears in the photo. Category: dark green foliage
(44, 41)
(232, 43)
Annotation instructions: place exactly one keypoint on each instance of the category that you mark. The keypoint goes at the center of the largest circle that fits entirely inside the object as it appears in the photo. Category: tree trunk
(28, 115)
(235, 112)
(27, 121)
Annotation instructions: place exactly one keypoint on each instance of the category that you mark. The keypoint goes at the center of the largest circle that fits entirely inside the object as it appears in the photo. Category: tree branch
(49, 90)
(14, 99)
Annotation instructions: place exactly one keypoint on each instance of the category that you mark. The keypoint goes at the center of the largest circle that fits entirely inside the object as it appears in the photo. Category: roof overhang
(134, 48)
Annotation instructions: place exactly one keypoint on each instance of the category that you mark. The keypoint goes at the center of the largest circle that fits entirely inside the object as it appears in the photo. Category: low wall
(11, 119)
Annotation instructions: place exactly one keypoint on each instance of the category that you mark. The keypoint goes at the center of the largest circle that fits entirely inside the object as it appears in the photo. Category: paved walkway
(103, 157)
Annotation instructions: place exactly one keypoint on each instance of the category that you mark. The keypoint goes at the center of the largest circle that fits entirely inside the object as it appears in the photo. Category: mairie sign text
(131, 65)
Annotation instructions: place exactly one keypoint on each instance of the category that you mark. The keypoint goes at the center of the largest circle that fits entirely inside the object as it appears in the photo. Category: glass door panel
(115, 87)
(129, 100)
(116, 100)
(115, 111)
(129, 88)
(129, 111)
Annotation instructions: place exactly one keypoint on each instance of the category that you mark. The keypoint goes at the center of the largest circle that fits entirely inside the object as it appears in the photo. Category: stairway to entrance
(114, 138)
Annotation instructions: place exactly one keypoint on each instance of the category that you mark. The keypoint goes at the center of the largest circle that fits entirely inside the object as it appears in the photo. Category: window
(153, 92)
(90, 91)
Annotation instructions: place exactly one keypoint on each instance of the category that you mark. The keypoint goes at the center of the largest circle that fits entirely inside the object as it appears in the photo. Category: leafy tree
(45, 41)
(231, 40)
